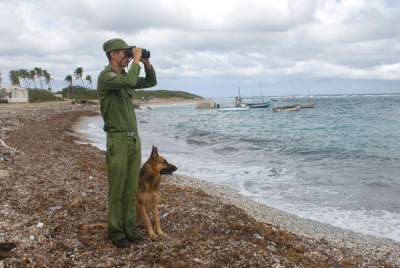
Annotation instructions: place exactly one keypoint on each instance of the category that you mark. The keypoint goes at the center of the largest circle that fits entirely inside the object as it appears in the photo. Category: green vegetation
(150, 94)
(78, 92)
(41, 95)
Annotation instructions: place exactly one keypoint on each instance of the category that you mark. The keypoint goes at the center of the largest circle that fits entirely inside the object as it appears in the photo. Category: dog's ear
(154, 152)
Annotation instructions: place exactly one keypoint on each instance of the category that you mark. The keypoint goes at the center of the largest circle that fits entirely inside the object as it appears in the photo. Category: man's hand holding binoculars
(137, 54)
(137, 57)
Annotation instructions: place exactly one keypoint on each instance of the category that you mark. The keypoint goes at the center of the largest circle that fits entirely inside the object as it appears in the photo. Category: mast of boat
(294, 97)
(262, 97)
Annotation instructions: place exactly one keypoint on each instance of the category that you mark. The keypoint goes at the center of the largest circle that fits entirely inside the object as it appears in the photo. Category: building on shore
(13, 94)
(60, 96)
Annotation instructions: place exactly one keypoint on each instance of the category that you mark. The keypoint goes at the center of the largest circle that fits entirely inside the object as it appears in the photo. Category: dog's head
(160, 163)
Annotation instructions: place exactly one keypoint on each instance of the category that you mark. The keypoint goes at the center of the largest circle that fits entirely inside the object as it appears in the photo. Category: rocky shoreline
(366, 245)
(53, 209)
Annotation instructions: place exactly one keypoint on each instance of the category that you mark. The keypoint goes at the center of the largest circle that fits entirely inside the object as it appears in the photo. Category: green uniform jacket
(115, 93)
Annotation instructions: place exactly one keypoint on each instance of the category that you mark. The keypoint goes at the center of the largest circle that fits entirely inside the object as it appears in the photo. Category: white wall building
(13, 94)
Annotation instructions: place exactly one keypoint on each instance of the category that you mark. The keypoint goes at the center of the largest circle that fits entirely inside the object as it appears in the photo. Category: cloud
(352, 39)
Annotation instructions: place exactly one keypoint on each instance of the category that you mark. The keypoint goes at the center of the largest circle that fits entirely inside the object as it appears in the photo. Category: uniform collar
(109, 68)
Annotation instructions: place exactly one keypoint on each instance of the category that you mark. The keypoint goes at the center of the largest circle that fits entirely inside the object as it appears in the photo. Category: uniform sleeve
(149, 81)
(123, 80)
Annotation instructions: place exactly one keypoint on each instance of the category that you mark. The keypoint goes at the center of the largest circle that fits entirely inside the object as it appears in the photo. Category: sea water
(338, 163)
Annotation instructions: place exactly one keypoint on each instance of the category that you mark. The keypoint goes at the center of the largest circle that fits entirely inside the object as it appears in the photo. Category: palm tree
(89, 79)
(19, 75)
(14, 77)
(79, 74)
(47, 77)
(32, 74)
(24, 77)
(39, 75)
(68, 80)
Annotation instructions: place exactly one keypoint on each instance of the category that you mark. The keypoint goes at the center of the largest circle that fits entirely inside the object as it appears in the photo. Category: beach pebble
(70, 254)
(53, 209)
(258, 237)
(271, 246)
(40, 225)
(32, 238)
(3, 173)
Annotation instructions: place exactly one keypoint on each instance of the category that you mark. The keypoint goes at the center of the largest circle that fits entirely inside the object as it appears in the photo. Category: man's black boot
(136, 238)
(122, 243)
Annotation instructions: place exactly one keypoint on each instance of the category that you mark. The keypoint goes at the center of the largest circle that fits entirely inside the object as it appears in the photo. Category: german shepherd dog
(149, 191)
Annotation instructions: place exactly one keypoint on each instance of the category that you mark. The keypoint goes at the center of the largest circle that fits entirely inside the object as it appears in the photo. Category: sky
(213, 47)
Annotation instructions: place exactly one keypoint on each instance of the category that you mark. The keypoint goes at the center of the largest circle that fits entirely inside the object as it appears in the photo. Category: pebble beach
(360, 243)
(53, 207)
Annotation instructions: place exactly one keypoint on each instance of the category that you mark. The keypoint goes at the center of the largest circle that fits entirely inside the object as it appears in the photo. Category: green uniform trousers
(123, 166)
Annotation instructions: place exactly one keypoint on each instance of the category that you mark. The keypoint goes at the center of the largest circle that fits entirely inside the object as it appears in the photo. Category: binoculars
(145, 53)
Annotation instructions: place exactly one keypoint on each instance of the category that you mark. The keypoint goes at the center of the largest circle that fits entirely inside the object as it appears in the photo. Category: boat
(261, 104)
(238, 101)
(239, 105)
(234, 109)
(308, 104)
(253, 105)
(287, 108)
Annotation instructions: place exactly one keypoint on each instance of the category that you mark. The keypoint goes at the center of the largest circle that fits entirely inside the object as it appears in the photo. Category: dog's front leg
(147, 223)
(157, 221)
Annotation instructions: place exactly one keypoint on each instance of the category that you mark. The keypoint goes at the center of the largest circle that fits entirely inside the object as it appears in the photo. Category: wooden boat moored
(288, 108)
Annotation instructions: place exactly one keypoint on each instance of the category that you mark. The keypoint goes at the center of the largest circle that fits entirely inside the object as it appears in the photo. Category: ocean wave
(381, 184)
(226, 149)
(198, 142)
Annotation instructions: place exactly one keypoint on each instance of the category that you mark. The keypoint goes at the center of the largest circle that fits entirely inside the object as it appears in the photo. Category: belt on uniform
(122, 134)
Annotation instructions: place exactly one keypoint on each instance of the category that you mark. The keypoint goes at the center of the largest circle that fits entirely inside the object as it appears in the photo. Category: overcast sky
(211, 47)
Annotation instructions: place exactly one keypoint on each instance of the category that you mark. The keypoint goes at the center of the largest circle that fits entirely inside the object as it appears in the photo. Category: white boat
(234, 109)
(288, 108)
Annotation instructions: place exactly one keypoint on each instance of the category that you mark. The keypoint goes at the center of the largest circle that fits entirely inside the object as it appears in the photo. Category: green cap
(114, 44)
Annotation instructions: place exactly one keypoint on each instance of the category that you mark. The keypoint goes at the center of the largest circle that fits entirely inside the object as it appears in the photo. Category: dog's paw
(152, 236)
(161, 233)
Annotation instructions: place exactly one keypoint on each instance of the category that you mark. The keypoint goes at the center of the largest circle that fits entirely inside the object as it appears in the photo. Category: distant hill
(149, 94)
(84, 93)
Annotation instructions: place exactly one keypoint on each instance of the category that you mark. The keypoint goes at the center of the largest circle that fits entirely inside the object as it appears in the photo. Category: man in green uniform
(115, 87)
